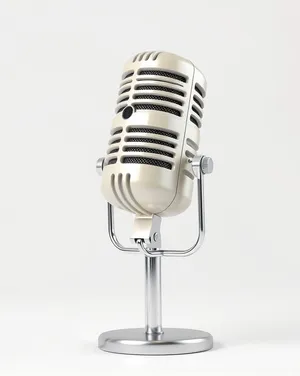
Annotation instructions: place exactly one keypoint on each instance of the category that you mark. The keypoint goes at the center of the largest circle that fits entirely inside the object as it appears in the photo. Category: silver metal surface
(153, 340)
(153, 295)
(100, 165)
(141, 246)
(147, 228)
(170, 342)
(207, 165)
(112, 233)
(200, 236)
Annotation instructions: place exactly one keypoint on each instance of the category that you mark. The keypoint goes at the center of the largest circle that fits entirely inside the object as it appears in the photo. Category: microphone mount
(146, 239)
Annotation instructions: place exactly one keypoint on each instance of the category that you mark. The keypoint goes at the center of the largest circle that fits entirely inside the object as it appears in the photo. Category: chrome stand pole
(153, 295)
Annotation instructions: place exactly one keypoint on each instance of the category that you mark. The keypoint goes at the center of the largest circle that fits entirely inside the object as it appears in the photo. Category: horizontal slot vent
(121, 108)
(124, 90)
(123, 99)
(127, 75)
(160, 88)
(111, 161)
(194, 120)
(188, 174)
(147, 161)
(150, 140)
(112, 151)
(111, 142)
(198, 101)
(117, 130)
(199, 90)
(156, 72)
(157, 97)
(189, 154)
(151, 130)
(197, 111)
(156, 107)
(140, 149)
(192, 144)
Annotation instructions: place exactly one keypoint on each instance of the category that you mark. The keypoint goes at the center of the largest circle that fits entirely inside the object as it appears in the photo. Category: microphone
(154, 135)
(149, 169)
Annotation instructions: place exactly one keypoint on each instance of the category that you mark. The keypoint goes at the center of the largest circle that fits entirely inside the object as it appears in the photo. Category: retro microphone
(150, 167)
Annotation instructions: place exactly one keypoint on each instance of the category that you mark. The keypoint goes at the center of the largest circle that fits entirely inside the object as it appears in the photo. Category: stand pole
(153, 295)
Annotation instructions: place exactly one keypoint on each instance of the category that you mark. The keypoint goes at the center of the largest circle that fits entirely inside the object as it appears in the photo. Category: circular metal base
(170, 342)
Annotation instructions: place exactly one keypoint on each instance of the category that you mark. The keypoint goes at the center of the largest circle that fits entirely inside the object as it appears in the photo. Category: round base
(170, 342)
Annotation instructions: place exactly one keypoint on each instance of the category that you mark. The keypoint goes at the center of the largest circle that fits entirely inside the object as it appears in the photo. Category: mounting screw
(155, 236)
(99, 166)
(207, 165)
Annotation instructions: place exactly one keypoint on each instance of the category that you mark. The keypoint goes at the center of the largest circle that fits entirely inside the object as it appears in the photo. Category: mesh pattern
(195, 121)
(161, 88)
(148, 161)
(150, 140)
(148, 150)
(156, 107)
(157, 97)
(152, 130)
(151, 72)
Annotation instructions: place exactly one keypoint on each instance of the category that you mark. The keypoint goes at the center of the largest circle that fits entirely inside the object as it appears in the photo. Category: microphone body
(154, 135)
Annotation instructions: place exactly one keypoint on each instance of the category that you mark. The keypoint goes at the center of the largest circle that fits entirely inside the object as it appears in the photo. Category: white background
(61, 281)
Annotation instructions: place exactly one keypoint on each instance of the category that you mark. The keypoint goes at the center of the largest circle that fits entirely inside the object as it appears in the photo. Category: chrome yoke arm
(201, 166)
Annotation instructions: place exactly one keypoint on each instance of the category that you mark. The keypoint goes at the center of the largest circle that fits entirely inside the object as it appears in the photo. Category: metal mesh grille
(148, 161)
(150, 140)
(151, 130)
(156, 107)
(175, 76)
(157, 97)
(161, 88)
(148, 150)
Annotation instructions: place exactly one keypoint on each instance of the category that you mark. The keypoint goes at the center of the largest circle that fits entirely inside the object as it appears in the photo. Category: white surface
(61, 282)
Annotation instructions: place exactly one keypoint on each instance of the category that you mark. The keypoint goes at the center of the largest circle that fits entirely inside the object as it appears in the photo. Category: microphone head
(154, 135)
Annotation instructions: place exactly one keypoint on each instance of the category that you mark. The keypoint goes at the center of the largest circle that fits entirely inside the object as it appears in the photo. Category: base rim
(172, 342)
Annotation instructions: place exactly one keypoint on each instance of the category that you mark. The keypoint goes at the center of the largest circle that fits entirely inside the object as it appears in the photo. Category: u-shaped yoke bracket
(201, 165)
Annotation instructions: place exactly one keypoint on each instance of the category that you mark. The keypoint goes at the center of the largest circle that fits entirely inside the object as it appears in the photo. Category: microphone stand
(154, 340)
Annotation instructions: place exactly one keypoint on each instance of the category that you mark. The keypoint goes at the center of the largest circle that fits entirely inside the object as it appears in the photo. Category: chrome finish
(207, 165)
(148, 230)
(112, 234)
(153, 295)
(100, 165)
(200, 236)
(153, 340)
(198, 170)
(170, 342)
